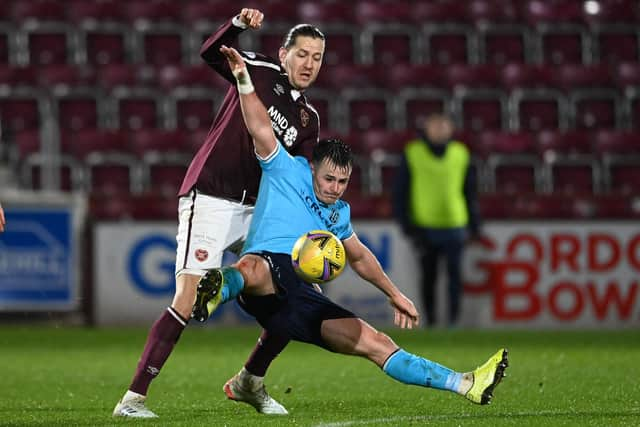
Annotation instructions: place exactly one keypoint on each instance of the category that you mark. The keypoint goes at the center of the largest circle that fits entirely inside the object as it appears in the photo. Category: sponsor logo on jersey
(201, 255)
(278, 89)
(304, 118)
(280, 124)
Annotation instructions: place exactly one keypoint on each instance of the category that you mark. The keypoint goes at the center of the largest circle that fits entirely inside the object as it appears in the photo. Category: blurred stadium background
(98, 99)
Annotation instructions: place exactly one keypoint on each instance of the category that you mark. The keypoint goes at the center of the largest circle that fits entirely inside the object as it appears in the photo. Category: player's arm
(363, 262)
(227, 35)
(2, 220)
(254, 112)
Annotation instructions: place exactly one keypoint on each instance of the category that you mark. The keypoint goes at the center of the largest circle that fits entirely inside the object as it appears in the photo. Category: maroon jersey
(225, 166)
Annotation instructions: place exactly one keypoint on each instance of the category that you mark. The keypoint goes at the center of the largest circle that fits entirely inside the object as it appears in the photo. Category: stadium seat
(526, 76)
(491, 11)
(329, 13)
(44, 10)
(389, 44)
(626, 75)
(616, 42)
(341, 76)
(382, 149)
(534, 12)
(191, 108)
(512, 165)
(475, 76)
(161, 43)
(577, 76)
(447, 43)
(110, 76)
(368, 12)
(102, 43)
(619, 151)
(79, 107)
(83, 11)
(200, 75)
(343, 45)
(413, 105)
(47, 43)
(12, 76)
(165, 157)
(480, 109)
(405, 75)
(422, 12)
(501, 44)
(158, 11)
(23, 108)
(595, 108)
(365, 109)
(50, 76)
(561, 43)
(569, 163)
(537, 109)
(108, 164)
(137, 107)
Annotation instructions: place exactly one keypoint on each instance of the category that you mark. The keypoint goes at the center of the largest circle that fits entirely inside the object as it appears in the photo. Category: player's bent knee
(256, 274)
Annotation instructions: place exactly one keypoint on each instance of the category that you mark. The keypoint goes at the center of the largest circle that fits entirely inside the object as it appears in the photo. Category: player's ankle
(465, 383)
(249, 381)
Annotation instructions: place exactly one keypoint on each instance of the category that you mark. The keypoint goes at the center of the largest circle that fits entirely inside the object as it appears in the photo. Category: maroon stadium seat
(48, 42)
(480, 109)
(620, 152)
(526, 76)
(413, 105)
(110, 76)
(366, 109)
(537, 109)
(491, 11)
(44, 10)
(447, 43)
(162, 43)
(504, 43)
(616, 42)
(389, 43)
(595, 108)
(79, 107)
(578, 76)
(106, 42)
(325, 12)
(137, 107)
(512, 164)
(367, 12)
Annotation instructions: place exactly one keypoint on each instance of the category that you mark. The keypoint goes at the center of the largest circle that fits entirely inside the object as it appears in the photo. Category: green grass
(74, 376)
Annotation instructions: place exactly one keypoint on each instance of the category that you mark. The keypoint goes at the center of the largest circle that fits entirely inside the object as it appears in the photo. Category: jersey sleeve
(279, 159)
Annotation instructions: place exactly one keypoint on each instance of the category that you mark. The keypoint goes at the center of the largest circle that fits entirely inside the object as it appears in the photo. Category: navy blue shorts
(297, 309)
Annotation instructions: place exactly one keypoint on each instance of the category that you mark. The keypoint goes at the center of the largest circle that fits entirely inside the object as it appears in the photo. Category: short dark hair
(333, 150)
(304, 30)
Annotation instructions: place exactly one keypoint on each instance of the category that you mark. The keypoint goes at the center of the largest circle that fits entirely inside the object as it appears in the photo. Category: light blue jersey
(287, 207)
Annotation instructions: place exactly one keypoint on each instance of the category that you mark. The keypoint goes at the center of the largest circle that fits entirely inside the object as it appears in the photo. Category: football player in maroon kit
(218, 193)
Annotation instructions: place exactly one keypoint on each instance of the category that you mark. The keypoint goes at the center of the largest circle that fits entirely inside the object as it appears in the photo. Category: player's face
(302, 61)
(329, 181)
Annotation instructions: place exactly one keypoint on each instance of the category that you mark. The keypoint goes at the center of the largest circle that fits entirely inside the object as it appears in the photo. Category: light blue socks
(232, 283)
(411, 369)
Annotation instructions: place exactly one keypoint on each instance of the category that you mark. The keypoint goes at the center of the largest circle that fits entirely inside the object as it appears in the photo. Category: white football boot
(132, 405)
(250, 389)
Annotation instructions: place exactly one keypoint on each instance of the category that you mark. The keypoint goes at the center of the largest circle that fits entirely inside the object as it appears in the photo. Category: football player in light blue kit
(296, 197)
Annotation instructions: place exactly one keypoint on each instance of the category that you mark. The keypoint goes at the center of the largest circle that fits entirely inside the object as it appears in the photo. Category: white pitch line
(395, 420)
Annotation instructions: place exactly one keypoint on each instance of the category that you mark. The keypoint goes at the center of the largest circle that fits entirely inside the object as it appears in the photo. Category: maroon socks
(162, 338)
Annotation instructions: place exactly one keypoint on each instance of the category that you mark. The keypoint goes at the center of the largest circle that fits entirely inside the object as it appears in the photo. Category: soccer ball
(318, 256)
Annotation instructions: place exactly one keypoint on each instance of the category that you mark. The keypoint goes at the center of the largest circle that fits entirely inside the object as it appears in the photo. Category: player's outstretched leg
(216, 287)
(487, 377)
(248, 388)
(132, 405)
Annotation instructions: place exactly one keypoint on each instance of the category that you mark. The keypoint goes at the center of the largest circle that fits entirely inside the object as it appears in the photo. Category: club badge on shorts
(304, 118)
(201, 255)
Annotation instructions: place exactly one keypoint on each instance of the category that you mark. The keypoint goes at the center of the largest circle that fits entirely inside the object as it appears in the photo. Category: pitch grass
(74, 376)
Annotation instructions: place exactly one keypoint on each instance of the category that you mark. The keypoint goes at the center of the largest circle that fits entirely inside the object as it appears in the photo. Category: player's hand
(406, 314)
(251, 17)
(236, 63)
(2, 220)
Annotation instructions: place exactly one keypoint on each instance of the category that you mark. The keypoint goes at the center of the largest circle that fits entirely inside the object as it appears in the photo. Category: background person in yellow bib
(436, 205)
